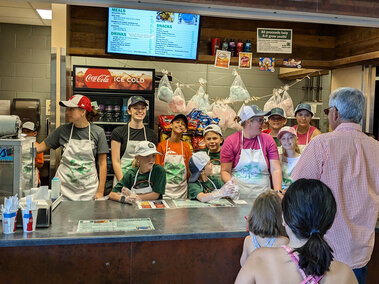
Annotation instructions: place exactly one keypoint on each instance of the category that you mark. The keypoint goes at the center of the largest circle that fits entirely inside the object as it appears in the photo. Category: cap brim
(67, 104)
(272, 114)
(142, 102)
(182, 116)
(147, 153)
(194, 177)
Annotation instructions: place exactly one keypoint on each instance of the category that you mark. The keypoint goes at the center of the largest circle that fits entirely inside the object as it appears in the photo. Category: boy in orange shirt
(29, 129)
(174, 159)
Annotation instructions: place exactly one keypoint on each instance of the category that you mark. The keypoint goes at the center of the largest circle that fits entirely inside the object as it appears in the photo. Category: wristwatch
(122, 199)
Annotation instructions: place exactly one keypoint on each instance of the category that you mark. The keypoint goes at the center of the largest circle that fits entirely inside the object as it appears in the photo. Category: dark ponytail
(92, 115)
(309, 209)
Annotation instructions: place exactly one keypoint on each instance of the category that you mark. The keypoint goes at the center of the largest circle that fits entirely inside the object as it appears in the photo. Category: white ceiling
(23, 12)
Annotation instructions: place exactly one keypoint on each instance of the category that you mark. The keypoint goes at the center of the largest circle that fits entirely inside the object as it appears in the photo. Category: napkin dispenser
(43, 217)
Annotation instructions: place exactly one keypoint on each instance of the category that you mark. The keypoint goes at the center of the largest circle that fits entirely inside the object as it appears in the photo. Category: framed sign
(112, 79)
(274, 40)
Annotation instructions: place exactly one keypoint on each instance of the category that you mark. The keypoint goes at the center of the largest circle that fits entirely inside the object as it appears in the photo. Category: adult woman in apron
(77, 169)
(146, 182)
(135, 132)
(304, 130)
(251, 173)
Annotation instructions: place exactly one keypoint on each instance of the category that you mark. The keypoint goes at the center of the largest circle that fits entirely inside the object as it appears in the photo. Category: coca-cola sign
(120, 79)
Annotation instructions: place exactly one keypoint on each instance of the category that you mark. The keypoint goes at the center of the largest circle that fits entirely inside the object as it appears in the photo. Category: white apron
(302, 147)
(216, 169)
(142, 190)
(251, 174)
(128, 156)
(77, 170)
(176, 175)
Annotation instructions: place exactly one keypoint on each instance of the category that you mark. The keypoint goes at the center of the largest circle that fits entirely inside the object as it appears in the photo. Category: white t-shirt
(288, 164)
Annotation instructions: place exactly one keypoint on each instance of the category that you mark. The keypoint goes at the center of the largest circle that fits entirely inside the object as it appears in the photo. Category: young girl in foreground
(291, 154)
(309, 209)
(265, 224)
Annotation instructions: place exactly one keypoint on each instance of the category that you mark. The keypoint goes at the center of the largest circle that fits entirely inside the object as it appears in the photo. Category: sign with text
(114, 79)
(274, 40)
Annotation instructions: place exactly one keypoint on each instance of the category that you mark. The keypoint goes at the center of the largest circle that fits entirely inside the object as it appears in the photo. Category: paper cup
(9, 222)
(29, 218)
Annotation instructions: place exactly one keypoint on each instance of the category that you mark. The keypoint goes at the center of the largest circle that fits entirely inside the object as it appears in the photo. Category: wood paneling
(317, 45)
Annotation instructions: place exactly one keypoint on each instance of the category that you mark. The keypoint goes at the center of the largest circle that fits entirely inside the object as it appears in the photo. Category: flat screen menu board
(152, 33)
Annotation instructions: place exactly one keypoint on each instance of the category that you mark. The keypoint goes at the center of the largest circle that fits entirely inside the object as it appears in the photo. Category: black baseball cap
(180, 116)
(136, 99)
(277, 111)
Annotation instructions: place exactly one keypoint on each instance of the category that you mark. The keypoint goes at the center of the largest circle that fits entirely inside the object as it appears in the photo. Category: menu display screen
(152, 33)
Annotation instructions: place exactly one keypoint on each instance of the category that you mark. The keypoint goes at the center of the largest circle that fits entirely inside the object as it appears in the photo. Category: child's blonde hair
(297, 149)
(265, 218)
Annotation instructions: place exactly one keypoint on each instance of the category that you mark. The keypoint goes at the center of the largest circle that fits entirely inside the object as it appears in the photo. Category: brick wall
(25, 65)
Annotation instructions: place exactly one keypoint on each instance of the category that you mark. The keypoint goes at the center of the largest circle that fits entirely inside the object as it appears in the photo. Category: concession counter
(184, 245)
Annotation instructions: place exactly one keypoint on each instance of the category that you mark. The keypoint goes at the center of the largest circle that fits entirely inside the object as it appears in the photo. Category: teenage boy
(201, 185)
(213, 139)
(175, 157)
(277, 119)
(29, 129)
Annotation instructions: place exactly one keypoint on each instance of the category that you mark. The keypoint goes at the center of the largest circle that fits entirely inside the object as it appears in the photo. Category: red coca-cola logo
(97, 78)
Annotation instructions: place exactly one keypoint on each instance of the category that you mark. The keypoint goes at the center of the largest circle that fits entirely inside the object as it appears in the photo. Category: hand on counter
(99, 195)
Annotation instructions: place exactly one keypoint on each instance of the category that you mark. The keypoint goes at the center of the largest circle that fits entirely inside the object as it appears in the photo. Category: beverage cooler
(110, 89)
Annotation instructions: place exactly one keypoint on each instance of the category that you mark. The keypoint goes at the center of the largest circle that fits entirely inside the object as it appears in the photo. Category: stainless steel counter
(170, 224)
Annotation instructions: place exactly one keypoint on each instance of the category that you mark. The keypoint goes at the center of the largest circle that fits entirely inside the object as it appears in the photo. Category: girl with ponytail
(309, 209)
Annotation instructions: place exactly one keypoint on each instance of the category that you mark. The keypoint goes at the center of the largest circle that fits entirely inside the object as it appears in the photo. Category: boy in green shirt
(201, 185)
(146, 181)
(213, 139)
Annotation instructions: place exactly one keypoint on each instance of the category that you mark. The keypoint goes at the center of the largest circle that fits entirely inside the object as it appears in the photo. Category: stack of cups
(9, 222)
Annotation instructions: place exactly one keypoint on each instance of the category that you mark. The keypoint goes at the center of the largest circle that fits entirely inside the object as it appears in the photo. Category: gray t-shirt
(61, 135)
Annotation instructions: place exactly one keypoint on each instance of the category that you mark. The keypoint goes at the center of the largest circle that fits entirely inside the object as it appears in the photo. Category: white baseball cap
(29, 125)
(213, 128)
(196, 163)
(248, 112)
(146, 148)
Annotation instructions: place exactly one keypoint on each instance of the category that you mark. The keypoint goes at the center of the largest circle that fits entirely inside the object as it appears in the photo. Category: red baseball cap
(78, 101)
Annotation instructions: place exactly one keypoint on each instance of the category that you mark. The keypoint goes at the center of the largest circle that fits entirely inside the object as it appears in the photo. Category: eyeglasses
(258, 120)
(327, 110)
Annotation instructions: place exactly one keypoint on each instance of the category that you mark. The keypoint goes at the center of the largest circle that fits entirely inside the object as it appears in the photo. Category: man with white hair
(347, 161)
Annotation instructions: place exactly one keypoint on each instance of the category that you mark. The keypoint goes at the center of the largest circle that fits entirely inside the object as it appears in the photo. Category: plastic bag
(178, 103)
(226, 115)
(282, 99)
(165, 92)
(238, 91)
(200, 99)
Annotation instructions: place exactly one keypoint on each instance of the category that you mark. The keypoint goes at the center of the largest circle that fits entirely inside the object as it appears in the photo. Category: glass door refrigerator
(110, 88)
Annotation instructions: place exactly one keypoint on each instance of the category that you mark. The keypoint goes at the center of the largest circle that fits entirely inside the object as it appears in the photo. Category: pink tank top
(310, 279)
(303, 139)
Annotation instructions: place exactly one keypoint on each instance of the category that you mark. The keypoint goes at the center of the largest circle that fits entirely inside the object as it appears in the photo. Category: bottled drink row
(113, 113)
(234, 47)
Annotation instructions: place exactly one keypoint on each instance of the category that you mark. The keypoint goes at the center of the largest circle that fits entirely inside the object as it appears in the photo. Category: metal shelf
(315, 118)
(113, 123)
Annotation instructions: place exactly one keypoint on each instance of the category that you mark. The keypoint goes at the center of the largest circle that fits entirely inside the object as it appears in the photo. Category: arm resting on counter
(42, 147)
(226, 172)
(149, 196)
(116, 161)
(102, 159)
(276, 174)
(115, 196)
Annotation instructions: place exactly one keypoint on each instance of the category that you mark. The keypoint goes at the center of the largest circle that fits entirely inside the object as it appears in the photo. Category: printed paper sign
(153, 204)
(274, 40)
(245, 60)
(266, 64)
(222, 59)
(118, 79)
(115, 225)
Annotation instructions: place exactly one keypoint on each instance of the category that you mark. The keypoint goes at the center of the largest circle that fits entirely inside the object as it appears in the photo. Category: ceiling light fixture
(45, 14)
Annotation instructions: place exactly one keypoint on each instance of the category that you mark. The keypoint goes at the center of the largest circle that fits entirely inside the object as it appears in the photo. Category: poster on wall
(274, 40)
(266, 64)
(245, 60)
(292, 63)
(91, 78)
(222, 59)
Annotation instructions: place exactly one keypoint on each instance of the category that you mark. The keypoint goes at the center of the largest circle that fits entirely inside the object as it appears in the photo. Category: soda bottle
(247, 46)
(232, 47)
(239, 47)
(225, 45)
